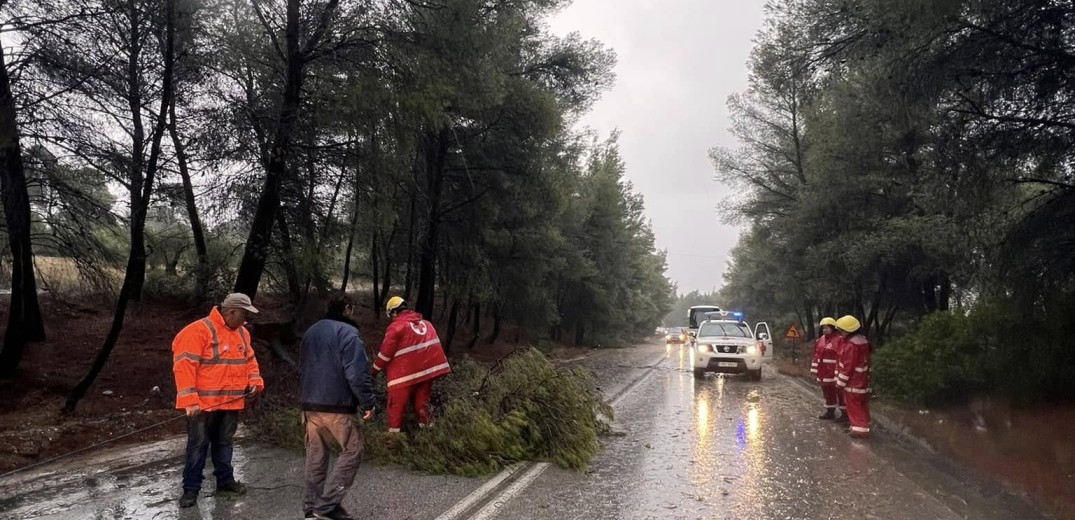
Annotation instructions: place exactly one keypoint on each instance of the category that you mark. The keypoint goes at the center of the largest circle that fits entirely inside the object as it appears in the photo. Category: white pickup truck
(730, 347)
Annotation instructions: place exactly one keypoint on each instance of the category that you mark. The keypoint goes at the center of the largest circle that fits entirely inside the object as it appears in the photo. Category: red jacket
(853, 369)
(411, 352)
(826, 356)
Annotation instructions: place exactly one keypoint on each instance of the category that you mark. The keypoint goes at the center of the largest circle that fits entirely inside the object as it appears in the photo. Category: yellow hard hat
(848, 324)
(393, 303)
(828, 321)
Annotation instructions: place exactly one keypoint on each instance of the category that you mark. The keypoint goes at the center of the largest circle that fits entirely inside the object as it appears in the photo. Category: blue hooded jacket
(335, 369)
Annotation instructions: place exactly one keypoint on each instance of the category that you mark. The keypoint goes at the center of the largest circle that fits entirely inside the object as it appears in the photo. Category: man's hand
(368, 415)
(373, 371)
(193, 410)
(253, 390)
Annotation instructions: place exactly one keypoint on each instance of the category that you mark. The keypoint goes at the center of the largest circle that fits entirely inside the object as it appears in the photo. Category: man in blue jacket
(335, 385)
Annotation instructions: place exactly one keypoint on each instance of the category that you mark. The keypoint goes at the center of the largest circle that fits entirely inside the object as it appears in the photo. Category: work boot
(858, 435)
(189, 498)
(234, 487)
(843, 419)
(829, 415)
(336, 514)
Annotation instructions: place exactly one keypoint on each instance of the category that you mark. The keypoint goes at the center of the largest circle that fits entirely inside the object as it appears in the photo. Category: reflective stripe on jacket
(853, 370)
(411, 352)
(826, 356)
(213, 365)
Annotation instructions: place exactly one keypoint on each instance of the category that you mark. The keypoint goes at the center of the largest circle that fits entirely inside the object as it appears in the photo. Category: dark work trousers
(210, 433)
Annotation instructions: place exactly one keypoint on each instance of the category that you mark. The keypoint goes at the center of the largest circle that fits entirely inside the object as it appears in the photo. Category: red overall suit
(823, 367)
(853, 375)
(412, 357)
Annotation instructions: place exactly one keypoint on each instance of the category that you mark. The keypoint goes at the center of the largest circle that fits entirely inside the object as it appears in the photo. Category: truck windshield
(734, 330)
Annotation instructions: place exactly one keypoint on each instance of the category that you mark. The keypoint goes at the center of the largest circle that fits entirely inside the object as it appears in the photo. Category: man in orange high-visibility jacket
(215, 369)
(412, 357)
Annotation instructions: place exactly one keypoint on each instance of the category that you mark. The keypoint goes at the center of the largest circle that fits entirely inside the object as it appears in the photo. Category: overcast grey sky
(679, 60)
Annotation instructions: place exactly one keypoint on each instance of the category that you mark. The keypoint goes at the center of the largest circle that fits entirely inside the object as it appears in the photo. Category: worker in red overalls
(853, 375)
(412, 358)
(823, 367)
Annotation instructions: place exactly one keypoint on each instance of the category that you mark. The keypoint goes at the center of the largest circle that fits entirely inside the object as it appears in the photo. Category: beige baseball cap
(239, 301)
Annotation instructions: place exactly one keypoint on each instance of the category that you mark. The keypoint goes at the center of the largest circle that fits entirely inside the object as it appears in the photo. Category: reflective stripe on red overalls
(853, 375)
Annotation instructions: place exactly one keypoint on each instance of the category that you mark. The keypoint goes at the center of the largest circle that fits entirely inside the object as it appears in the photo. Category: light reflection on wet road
(730, 448)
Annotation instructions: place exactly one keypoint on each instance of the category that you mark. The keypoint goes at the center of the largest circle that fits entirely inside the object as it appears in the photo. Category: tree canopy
(906, 158)
(422, 148)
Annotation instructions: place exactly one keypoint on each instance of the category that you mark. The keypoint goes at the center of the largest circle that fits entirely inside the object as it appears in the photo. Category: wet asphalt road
(728, 448)
(713, 449)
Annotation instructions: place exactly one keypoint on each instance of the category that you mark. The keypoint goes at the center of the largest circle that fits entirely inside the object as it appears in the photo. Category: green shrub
(160, 284)
(524, 408)
(940, 362)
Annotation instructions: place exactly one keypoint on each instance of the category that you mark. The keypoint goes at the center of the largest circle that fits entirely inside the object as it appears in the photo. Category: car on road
(676, 335)
(728, 346)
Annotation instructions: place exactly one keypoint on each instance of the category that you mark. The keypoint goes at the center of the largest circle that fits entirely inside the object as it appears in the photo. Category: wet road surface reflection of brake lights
(702, 421)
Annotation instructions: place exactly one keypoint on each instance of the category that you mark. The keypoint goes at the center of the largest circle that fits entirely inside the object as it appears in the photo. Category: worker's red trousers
(399, 396)
(858, 411)
(834, 396)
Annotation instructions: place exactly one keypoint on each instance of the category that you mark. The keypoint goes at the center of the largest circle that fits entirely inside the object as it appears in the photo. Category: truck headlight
(705, 348)
(752, 350)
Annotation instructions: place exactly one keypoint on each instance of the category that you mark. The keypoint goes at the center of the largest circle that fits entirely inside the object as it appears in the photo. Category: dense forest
(188, 148)
(912, 163)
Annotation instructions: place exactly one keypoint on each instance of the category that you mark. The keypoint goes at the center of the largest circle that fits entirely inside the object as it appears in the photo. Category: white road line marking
(493, 507)
(500, 500)
(533, 470)
(480, 493)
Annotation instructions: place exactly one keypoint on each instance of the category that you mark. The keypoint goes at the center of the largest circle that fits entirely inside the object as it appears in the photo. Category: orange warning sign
(793, 333)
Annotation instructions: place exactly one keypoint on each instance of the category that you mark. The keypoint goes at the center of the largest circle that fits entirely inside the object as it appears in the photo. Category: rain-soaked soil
(136, 388)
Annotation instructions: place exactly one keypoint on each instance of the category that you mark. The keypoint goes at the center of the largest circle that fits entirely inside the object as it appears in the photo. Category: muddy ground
(136, 389)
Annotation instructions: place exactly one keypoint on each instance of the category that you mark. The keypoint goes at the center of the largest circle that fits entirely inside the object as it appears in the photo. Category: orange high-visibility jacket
(411, 352)
(213, 365)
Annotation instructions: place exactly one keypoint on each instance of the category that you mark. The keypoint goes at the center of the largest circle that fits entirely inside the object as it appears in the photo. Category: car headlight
(751, 350)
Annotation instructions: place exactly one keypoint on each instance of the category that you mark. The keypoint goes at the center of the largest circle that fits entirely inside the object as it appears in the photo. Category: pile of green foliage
(522, 408)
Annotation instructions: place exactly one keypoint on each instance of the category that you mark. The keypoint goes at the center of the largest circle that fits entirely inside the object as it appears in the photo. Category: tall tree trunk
(136, 267)
(201, 286)
(386, 280)
(375, 266)
(945, 300)
(811, 323)
(24, 323)
(436, 153)
(580, 333)
(477, 326)
(350, 248)
(497, 322)
(453, 317)
(257, 244)
(291, 273)
(411, 232)
(134, 277)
